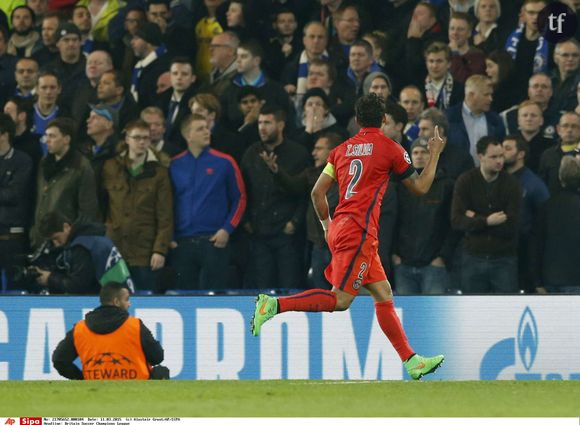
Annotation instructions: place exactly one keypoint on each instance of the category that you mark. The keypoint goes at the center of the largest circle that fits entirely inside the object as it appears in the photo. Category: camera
(44, 257)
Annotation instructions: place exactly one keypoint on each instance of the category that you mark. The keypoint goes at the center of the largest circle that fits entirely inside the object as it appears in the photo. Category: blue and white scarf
(141, 65)
(542, 51)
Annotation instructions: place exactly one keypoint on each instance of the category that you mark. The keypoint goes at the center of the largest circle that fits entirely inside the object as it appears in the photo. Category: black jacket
(102, 320)
(550, 168)
(15, 181)
(75, 273)
(270, 205)
(424, 228)
(173, 132)
(558, 240)
(147, 85)
(473, 193)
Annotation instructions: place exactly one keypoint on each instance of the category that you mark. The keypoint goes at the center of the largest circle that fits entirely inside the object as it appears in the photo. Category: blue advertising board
(493, 337)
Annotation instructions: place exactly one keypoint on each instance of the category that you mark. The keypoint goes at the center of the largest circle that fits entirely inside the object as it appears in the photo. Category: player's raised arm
(321, 188)
(419, 184)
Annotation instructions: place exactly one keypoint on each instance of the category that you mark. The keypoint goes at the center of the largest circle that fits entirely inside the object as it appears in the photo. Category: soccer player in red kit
(362, 166)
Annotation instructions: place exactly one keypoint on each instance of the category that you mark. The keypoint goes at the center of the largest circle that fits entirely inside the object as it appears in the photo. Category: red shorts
(355, 262)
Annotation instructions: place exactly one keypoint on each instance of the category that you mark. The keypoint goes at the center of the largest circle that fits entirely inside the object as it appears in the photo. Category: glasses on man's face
(569, 55)
(140, 138)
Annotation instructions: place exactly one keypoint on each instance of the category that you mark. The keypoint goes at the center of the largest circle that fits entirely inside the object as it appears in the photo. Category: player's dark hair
(397, 112)
(369, 111)
(111, 291)
(484, 142)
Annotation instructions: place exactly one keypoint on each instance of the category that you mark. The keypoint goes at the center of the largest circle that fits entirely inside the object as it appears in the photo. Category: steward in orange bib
(110, 343)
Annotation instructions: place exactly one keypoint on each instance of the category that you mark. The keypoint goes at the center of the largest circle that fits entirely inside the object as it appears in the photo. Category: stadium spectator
(109, 329)
(98, 62)
(424, 241)
(26, 75)
(355, 263)
(566, 76)
(165, 149)
(558, 265)
(465, 59)
(72, 189)
(341, 95)
(222, 138)
(530, 123)
(24, 37)
(7, 65)
(285, 45)
(273, 219)
(70, 64)
(487, 35)
(87, 260)
(360, 64)
(160, 13)
(15, 180)
(453, 160)
(568, 130)
(20, 110)
(540, 92)
(139, 214)
(527, 47)
(315, 42)
(376, 82)
(378, 41)
(499, 67)
(534, 195)
(486, 206)
(472, 119)
(210, 23)
(249, 73)
(316, 119)
(101, 14)
(147, 46)
(346, 21)
(422, 32)
(210, 199)
(303, 183)
(111, 91)
(81, 17)
(174, 102)
(39, 7)
(222, 50)
(46, 108)
(45, 50)
(412, 100)
(123, 56)
(441, 89)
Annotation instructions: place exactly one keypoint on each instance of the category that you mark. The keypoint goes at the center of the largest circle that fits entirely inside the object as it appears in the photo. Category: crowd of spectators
(194, 131)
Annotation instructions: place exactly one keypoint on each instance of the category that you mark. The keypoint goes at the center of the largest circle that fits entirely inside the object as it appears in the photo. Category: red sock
(311, 300)
(391, 326)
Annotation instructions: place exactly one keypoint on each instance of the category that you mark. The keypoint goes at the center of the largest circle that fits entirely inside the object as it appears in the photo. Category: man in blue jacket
(210, 199)
(472, 119)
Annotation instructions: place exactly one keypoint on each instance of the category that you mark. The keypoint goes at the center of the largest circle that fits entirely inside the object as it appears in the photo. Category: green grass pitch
(289, 398)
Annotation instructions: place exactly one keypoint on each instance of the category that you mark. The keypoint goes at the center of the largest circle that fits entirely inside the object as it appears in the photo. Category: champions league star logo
(108, 359)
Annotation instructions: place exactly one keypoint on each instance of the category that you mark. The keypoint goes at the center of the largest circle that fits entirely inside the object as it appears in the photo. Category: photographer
(15, 178)
(88, 259)
(110, 343)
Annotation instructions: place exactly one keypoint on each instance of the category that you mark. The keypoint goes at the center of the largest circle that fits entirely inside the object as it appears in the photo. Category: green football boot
(418, 366)
(266, 308)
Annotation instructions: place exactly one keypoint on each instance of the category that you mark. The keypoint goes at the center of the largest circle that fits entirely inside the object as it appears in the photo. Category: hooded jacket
(102, 320)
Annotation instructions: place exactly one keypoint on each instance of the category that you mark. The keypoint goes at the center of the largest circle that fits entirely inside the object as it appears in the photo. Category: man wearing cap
(101, 142)
(69, 66)
(147, 44)
(424, 241)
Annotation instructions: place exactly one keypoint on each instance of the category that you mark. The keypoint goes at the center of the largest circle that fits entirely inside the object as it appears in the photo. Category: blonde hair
(569, 172)
(476, 8)
(476, 82)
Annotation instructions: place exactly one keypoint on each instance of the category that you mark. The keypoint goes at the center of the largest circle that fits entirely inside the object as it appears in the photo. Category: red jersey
(362, 166)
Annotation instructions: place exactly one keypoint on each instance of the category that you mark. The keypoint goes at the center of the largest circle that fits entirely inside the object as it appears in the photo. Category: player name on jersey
(360, 149)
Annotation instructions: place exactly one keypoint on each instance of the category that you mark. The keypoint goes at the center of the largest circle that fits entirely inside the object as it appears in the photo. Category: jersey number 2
(355, 170)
